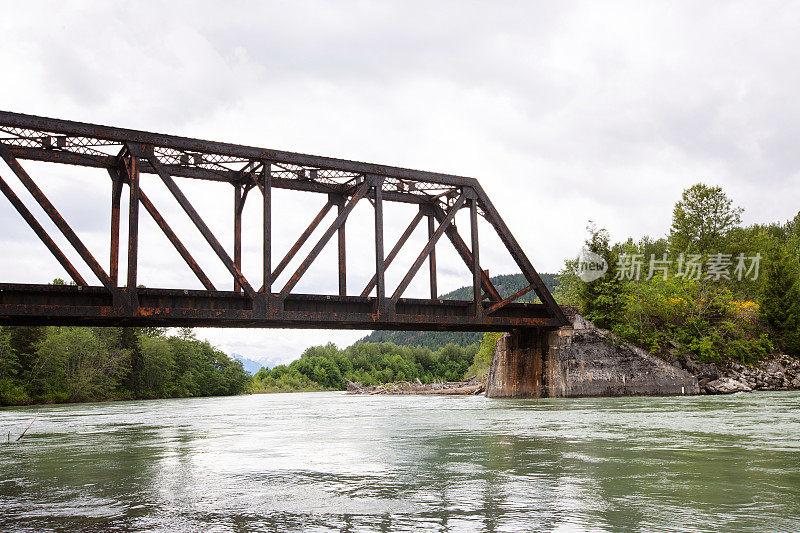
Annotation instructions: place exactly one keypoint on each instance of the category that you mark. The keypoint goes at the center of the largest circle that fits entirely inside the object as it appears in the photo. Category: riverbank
(582, 360)
(453, 388)
(776, 373)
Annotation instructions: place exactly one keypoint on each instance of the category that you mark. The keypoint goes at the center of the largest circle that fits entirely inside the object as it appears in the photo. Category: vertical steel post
(116, 196)
(133, 229)
(267, 243)
(237, 232)
(342, 255)
(432, 258)
(477, 295)
(380, 285)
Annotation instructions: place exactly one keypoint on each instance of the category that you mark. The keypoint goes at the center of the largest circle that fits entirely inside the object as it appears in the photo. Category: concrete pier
(579, 360)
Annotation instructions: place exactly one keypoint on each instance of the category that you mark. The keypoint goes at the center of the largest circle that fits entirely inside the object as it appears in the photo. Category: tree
(702, 219)
(72, 365)
(23, 341)
(10, 389)
(157, 366)
(483, 358)
(602, 300)
(780, 298)
(186, 334)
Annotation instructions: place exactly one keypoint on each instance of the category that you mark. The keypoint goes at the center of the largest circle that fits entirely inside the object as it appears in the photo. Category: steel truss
(126, 154)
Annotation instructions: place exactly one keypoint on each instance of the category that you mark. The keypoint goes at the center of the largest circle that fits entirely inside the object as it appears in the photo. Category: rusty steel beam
(222, 176)
(380, 277)
(42, 233)
(25, 304)
(514, 297)
(494, 218)
(123, 135)
(116, 197)
(312, 255)
(201, 226)
(395, 250)
(176, 242)
(477, 292)
(432, 259)
(238, 205)
(132, 169)
(300, 241)
(56, 217)
(466, 255)
(428, 247)
(266, 190)
(339, 201)
(170, 235)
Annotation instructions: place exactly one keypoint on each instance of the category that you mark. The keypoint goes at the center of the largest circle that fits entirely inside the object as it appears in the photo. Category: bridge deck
(25, 304)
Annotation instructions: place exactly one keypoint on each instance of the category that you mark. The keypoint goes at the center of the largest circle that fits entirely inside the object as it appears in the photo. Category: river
(332, 462)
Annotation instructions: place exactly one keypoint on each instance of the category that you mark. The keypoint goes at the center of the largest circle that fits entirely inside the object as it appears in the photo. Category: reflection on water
(327, 461)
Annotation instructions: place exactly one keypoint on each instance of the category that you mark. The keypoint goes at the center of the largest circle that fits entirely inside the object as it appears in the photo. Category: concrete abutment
(579, 360)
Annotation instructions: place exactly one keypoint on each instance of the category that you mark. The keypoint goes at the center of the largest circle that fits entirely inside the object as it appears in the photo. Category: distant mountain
(250, 366)
(506, 284)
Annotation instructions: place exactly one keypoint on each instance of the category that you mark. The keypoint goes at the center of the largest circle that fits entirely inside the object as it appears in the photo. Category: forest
(328, 367)
(56, 364)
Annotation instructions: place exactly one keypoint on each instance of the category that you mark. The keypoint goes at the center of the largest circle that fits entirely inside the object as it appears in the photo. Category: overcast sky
(565, 111)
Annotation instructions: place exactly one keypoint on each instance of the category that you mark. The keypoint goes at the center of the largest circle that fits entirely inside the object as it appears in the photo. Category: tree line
(76, 364)
(330, 368)
(734, 307)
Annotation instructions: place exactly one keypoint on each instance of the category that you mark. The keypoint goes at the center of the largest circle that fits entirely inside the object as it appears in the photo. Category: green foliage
(329, 368)
(11, 390)
(716, 319)
(71, 365)
(702, 219)
(68, 364)
(602, 299)
(158, 366)
(568, 290)
(780, 298)
(483, 358)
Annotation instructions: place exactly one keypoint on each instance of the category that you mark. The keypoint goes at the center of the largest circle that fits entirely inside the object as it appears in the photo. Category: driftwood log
(471, 386)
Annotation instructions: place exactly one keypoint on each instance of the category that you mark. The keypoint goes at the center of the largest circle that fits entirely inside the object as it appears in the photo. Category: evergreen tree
(602, 300)
(780, 298)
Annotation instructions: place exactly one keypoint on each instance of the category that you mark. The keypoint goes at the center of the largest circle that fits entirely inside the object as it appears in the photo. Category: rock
(726, 386)
(796, 383)
(578, 323)
(686, 362)
(774, 367)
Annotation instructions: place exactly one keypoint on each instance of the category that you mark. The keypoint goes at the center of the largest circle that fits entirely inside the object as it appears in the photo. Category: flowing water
(328, 461)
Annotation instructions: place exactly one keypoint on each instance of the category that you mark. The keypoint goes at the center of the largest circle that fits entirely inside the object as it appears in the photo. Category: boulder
(726, 386)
